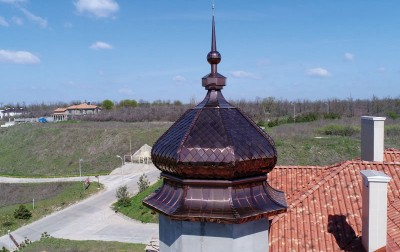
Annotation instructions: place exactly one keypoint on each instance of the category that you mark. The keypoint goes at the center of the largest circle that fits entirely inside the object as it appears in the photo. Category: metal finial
(213, 80)
(213, 57)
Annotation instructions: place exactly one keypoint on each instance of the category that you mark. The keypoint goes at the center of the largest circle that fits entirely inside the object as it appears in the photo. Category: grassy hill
(325, 142)
(54, 149)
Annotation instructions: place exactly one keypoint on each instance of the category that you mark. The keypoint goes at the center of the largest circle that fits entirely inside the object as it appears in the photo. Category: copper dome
(214, 162)
(214, 140)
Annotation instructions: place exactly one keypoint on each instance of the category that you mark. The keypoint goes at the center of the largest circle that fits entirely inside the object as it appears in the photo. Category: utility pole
(122, 169)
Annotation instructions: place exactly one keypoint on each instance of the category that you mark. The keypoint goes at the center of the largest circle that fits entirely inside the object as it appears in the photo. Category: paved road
(92, 218)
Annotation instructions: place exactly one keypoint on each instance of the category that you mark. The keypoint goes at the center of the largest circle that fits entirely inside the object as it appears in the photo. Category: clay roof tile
(325, 203)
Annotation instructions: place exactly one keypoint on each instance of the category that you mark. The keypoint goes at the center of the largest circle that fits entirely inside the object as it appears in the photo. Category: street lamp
(80, 173)
(122, 169)
(80, 168)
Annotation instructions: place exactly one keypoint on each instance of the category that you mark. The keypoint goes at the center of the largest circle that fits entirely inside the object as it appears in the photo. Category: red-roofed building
(324, 212)
(61, 114)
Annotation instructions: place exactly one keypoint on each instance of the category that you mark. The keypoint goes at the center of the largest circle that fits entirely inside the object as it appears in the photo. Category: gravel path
(92, 218)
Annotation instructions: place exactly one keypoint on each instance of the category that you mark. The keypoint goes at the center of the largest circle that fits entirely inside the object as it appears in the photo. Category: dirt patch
(12, 194)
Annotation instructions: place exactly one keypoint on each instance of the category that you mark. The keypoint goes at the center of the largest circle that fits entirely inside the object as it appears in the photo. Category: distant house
(61, 114)
(11, 112)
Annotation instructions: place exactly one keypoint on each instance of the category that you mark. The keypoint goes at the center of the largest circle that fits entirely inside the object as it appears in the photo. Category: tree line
(260, 110)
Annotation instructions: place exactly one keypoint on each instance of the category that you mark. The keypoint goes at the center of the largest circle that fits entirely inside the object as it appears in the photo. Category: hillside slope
(54, 149)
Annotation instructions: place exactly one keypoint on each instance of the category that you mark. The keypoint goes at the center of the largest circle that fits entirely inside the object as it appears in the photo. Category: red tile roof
(325, 203)
(83, 106)
(75, 107)
(60, 110)
(392, 155)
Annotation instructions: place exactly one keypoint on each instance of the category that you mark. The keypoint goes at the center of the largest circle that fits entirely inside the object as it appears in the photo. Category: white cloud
(17, 20)
(18, 57)
(319, 72)
(100, 45)
(98, 8)
(348, 56)
(3, 22)
(36, 19)
(179, 78)
(244, 75)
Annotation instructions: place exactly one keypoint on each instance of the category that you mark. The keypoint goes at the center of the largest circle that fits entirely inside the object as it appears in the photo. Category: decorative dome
(214, 140)
(214, 161)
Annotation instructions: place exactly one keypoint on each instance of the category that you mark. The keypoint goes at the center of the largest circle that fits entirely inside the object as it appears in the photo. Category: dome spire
(213, 38)
(214, 80)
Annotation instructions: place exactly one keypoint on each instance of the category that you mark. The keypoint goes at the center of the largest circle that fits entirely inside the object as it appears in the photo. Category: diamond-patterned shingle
(214, 161)
(214, 140)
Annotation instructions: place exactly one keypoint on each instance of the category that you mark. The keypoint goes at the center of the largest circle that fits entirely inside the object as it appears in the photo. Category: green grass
(70, 193)
(339, 130)
(54, 244)
(54, 149)
(303, 150)
(297, 144)
(137, 210)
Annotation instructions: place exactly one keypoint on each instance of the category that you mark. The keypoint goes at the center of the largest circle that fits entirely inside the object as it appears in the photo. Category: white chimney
(374, 209)
(372, 138)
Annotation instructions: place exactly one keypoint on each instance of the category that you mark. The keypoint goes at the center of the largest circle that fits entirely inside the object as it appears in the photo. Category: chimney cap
(375, 176)
(373, 118)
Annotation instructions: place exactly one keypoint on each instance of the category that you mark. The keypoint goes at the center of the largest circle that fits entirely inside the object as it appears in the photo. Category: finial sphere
(214, 57)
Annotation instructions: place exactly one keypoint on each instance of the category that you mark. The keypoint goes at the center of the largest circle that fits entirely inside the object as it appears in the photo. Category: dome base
(221, 201)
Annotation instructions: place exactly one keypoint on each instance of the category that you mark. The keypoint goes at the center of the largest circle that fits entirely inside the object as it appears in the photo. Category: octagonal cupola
(214, 161)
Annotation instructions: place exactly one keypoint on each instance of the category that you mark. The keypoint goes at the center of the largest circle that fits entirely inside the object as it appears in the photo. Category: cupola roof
(214, 161)
(214, 139)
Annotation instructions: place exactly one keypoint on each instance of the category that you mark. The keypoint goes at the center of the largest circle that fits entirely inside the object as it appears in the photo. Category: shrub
(25, 243)
(338, 130)
(122, 195)
(332, 116)
(392, 115)
(3, 249)
(143, 183)
(309, 117)
(273, 123)
(45, 235)
(22, 213)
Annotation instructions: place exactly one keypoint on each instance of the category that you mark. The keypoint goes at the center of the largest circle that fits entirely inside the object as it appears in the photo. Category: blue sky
(92, 50)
